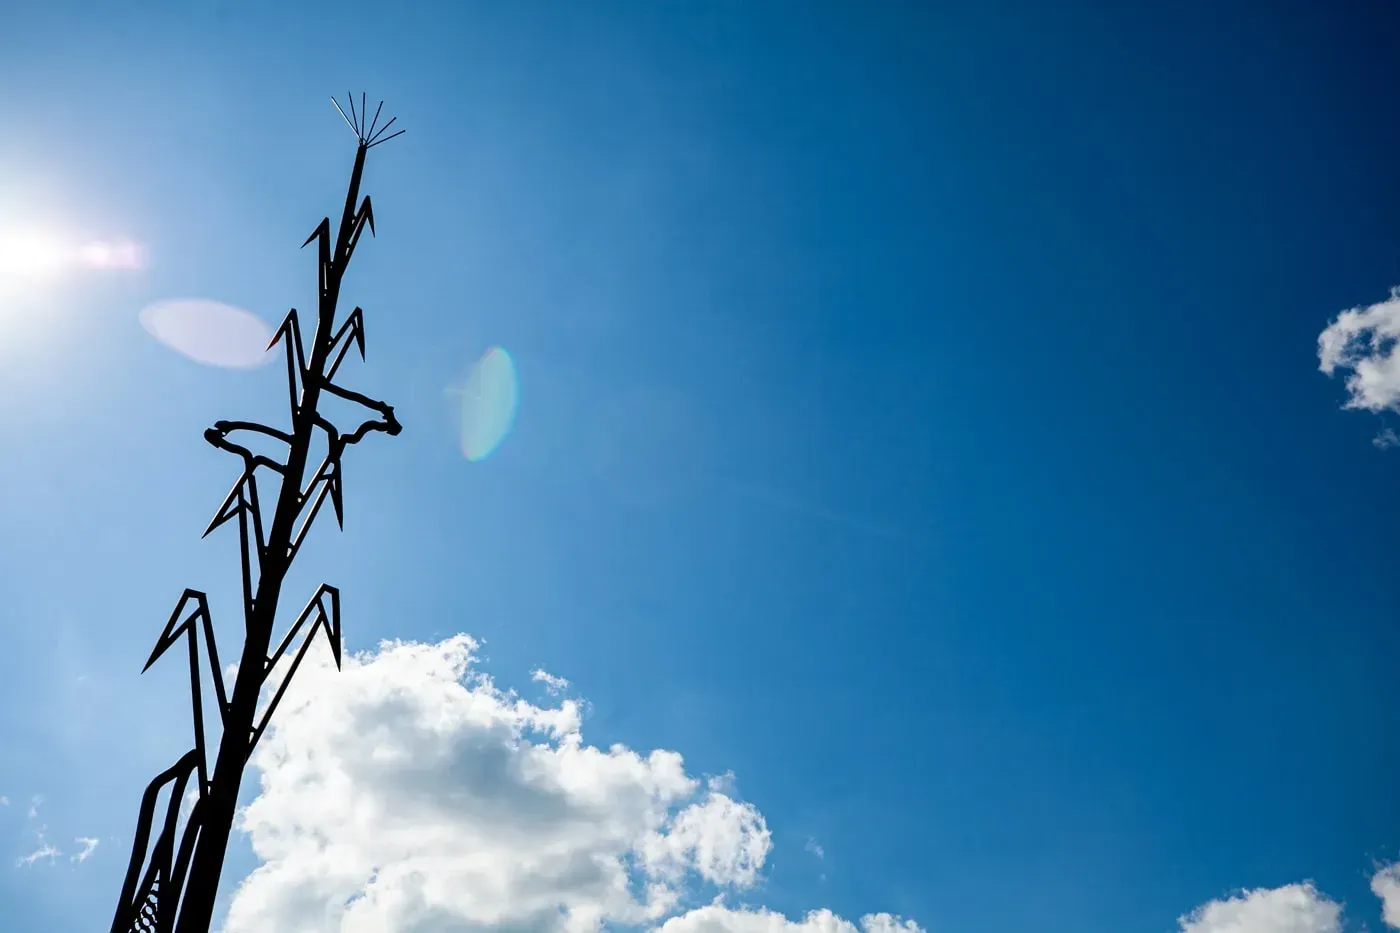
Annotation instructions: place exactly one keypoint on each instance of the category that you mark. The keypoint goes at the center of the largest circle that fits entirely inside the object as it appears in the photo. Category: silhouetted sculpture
(171, 883)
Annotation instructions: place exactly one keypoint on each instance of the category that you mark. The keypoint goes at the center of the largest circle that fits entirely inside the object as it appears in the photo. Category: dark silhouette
(171, 884)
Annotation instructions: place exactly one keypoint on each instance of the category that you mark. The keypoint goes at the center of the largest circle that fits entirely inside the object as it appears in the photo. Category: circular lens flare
(210, 332)
(489, 403)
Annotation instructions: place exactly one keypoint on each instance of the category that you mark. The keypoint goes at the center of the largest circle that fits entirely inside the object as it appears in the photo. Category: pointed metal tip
(375, 121)
(345, 118)
(380, 142)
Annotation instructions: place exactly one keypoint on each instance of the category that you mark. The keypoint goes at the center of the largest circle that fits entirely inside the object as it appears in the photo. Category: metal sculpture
(171, 883)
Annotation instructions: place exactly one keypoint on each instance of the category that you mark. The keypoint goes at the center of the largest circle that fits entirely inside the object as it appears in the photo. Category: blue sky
(919, 417)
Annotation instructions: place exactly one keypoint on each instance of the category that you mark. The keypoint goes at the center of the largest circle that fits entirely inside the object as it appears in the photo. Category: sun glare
(37, 265)
(33, 255)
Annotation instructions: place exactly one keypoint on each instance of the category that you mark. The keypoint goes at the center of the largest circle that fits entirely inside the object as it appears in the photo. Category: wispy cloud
(89, 845)
(554, 685)
(47, 851)
(815, 848)
(44, 852)
(722, 783)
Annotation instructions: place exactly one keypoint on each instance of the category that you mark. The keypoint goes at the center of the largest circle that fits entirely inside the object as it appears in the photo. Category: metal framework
(171, 882)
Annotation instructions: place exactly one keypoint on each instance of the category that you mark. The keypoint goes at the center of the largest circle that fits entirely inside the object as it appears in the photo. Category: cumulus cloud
(408, 793)
(1385, 884)
(717, 918)
(725, 842)
(1362, 342)
(1294, 908)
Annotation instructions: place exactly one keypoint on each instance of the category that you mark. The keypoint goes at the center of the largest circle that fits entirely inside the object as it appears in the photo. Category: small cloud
(1385, 884)
(554, 685)
(815, 848)
(89, 846)
(1364, 341)
(721, 783)
(187, 804)
(45, 851)
(1297, 908)
(34, 806)
(1386, 439)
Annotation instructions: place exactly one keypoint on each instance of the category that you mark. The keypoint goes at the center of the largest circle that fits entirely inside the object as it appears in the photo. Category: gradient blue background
(919, 416)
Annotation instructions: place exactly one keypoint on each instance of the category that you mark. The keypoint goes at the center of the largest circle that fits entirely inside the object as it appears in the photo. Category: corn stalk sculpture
(177, 856)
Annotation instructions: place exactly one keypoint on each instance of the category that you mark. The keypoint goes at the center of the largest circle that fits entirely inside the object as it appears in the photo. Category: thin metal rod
(376, 118)
(383, 129)
(385, 139)
(348, 122)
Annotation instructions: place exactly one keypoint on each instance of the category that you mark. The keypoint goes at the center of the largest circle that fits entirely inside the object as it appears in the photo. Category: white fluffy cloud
(719, 919)
(1295, 908)
(1363, 342)
(1385, 884)
(409, 794)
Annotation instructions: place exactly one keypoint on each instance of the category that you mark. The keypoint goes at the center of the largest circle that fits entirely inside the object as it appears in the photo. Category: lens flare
(210, 332)
(489, 402)
(117, 254)
(30, 255)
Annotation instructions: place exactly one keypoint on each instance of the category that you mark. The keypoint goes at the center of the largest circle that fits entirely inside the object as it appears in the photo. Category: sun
(33, 259)
(37, 266)
(27, 256)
